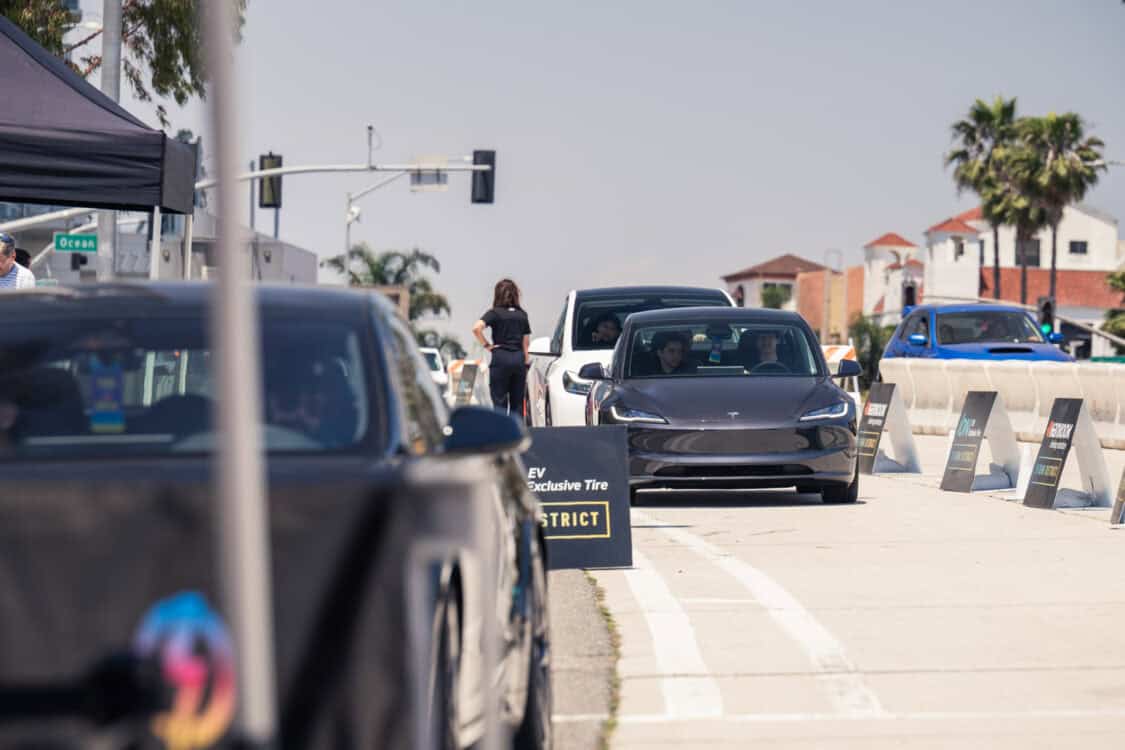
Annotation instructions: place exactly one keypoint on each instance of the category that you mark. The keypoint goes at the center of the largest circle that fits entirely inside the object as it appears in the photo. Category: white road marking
(1059, 713)
(688, 688)
(846, 687)
(716, 600)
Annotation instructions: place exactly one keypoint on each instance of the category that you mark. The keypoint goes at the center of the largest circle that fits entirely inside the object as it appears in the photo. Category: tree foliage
(162, 50)
(394, 268)
(870, 339)
(774, 297)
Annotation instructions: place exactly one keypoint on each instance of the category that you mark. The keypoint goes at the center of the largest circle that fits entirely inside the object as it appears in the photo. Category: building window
(958, 248)
(1078, 247)
(1028, 249)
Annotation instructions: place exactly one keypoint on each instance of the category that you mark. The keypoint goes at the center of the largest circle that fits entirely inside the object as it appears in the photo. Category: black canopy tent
(63, 142)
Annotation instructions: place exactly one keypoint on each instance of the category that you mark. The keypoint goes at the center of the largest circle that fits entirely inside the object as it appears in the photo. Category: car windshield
(144, 386)
(987, 326)
(598, 320)
(721, 349)
(433, 361)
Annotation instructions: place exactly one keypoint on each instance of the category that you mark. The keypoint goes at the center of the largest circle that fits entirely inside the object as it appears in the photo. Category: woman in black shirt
(511, 337)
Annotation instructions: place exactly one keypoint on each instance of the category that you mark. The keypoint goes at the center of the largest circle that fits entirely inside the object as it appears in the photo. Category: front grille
(733, 471)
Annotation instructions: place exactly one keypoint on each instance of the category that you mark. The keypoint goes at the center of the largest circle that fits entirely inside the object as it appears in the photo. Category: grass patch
(614, 679)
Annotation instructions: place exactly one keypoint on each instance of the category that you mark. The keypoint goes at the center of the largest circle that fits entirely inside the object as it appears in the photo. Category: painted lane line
(844, 684)
(688, 688)
(955, 716)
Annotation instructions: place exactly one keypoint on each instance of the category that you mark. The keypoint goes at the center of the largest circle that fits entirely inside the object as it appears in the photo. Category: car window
(721, 349)
(423, 421)
(144, 386)
(973, 326)
(592, 312)
(917, 323)
(557, 338)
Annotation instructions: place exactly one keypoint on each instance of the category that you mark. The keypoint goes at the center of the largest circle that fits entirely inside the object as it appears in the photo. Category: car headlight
(835, 411)
(627, 415)
(571, 384)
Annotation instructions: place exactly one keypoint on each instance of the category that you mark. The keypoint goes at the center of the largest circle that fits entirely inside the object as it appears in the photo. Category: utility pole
(111, 87)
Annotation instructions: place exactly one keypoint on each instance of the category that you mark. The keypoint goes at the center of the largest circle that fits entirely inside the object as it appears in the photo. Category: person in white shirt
(12, 274)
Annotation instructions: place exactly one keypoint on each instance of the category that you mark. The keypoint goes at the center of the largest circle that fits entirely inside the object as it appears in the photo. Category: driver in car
(670, 348)
(766, 343)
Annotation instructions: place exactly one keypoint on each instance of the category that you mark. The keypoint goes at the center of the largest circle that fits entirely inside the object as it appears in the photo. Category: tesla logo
(732, 414)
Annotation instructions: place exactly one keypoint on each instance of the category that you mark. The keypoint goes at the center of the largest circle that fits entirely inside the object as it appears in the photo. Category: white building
(890, 267)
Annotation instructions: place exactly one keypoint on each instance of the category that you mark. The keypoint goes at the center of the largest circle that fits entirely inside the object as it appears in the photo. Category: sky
(647, 141)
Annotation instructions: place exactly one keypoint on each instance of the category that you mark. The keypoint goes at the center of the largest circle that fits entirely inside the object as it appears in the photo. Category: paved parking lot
(914, 618)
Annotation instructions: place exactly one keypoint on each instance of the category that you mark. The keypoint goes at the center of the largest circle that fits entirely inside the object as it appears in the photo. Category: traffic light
(484, 183)
(269, 195)
(1046, 315)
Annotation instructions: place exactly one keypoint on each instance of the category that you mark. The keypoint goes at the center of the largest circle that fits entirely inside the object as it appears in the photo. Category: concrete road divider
(933, 392)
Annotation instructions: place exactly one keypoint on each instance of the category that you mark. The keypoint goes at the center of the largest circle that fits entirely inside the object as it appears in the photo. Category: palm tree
(1060, 165)
(987, 128)
(394, 268)
(1012, 196)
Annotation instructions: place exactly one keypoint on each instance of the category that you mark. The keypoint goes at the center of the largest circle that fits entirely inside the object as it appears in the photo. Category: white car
(437, 367)
(556, 396)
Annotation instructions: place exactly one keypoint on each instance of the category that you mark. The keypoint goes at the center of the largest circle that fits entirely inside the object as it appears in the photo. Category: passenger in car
(607, 329)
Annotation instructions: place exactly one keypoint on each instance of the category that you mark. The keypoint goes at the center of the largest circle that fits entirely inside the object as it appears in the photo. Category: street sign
(75, 243)
(885, 412)
(580, 475)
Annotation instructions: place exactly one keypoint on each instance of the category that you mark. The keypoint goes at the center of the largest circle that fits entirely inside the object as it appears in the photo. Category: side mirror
(593, 371)
(848, 368)
(478, 429)
(1056, 338)
(918, 339)
(541, 347)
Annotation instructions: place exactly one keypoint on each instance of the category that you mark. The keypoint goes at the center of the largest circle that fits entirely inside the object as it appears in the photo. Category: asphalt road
(914, 618)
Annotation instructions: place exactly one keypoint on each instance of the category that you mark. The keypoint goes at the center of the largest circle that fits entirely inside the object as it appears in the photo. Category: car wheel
(842, 493)
(446, 716)
(535, 732)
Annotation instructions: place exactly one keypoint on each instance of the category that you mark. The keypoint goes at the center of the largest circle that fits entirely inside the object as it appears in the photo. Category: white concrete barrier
(1053, 380)
(966, 375)
(932, 413)
(1103, 386)
(1012, 380)
(897, 370)
(934, 392)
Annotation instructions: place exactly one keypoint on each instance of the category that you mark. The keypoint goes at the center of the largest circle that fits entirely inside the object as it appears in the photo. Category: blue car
(973, 331)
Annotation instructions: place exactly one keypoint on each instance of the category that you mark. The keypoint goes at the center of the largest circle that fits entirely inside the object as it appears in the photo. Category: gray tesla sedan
(731, 398)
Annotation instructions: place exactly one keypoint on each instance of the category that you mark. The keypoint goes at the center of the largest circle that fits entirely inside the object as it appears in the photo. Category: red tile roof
(910, 262)
(890, 239)
(878, 307)
(788, 265)
(953, 226)
(973, 214)
(1074, 288)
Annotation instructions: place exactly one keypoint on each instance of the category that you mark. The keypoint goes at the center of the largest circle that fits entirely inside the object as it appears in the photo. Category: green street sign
(75, 243)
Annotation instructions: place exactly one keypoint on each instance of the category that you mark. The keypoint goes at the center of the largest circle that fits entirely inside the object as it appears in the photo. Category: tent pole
(154, 248)
(240, 515)
(188, 222)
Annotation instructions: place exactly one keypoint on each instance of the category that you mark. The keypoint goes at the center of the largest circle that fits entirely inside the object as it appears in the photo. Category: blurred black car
(717, 397)
(105, 443)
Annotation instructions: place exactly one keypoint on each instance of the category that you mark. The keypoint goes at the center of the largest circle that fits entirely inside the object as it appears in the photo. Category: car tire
(447, 681)
(535, 731)
(835, 494)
